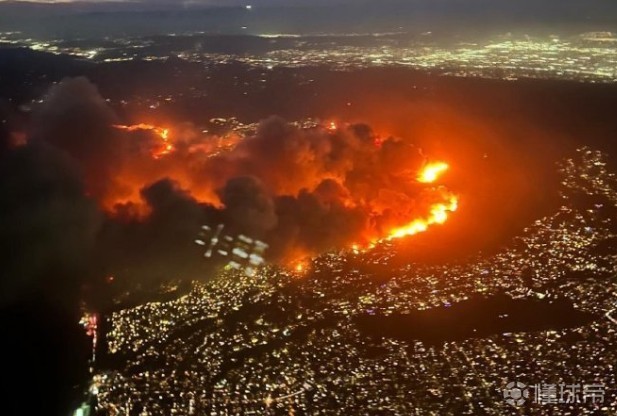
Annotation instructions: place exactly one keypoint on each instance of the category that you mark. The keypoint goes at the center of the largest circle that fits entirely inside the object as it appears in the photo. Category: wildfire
(166, 146)
(234, 157)
(438, 215)
(431, 172)
(300, 266)
(438, 212)
(89, 321)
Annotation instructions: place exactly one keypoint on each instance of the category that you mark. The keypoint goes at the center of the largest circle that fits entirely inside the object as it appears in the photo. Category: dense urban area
(315, 339)
(590, 57)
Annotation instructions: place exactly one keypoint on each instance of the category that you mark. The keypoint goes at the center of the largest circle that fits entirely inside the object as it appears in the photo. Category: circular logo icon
(515, 393)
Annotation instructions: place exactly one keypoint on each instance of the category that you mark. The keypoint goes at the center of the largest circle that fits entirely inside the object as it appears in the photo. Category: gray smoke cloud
(302, 191)
(49, 227)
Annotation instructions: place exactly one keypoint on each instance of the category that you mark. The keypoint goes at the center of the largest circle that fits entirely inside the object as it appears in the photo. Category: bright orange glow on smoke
(300, 267)
(156, 156)
(339, 180)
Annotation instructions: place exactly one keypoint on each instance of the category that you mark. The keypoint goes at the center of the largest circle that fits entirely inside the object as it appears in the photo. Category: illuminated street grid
(588, 57)
(284, 343)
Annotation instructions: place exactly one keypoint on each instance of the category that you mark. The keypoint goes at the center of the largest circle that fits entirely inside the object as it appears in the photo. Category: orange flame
(438, 212)
(301, 266)
(432, 171)
(166, 147)
(438, 215)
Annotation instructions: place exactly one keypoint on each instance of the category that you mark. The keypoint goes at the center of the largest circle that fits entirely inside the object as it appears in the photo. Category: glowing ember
(89, 321)
(18, 139)
(328, 168)
(268, 401)
(166, 147)
(301, 267)
(431, 172)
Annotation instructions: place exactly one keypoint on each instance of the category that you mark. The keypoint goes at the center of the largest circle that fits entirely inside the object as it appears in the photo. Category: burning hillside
(303, 190)
(311, 189)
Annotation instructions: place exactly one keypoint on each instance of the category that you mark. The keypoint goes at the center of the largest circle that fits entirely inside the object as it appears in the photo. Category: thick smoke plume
(302, 190)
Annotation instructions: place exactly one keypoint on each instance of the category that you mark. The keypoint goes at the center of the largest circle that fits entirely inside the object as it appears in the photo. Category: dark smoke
(48, 226)
(82, 201)
(160, 247)
(310, 223)
(329, 188)
(302, 191)
(48, 231)
(248, 207)
(75, 118)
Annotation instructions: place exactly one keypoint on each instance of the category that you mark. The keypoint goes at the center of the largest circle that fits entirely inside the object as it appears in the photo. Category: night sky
(574, 6)
(308, 16)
